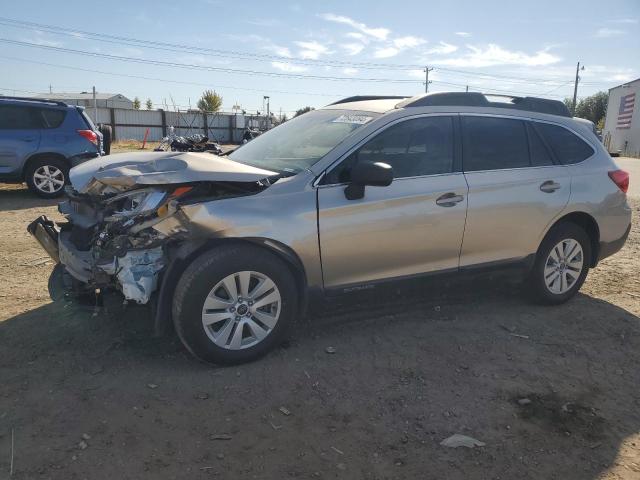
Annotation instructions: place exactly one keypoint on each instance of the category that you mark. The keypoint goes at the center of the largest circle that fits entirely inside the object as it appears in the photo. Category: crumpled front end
(121, 229)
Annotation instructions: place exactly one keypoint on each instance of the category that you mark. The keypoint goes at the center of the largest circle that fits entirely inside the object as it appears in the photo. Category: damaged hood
(124, 171)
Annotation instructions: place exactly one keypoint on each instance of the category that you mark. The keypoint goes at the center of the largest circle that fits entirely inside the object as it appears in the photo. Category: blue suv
(40, 140)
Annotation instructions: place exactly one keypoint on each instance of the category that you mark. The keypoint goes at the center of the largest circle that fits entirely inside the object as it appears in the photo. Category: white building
(622, 123)
(85, 99)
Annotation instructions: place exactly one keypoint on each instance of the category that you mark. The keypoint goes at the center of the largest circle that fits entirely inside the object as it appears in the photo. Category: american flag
(625, 112)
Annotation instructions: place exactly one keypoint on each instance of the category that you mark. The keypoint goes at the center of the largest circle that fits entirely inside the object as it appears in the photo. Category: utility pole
(467, 90)
(266, 97)
(426, 78)
(95, 106)
(575, 89)
(50, 90)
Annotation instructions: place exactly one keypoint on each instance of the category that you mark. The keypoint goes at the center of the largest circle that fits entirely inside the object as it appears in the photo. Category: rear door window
(540, 155)
(16, 117)
(567, 146)
(491, 143)
(52, 118)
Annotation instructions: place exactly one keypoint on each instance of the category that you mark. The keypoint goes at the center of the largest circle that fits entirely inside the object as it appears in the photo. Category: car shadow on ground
(13, 197)
(551, 391)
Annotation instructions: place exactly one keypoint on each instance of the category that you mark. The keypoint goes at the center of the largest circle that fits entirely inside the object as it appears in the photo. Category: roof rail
(475, 99)
(32, 99)
(363, 98)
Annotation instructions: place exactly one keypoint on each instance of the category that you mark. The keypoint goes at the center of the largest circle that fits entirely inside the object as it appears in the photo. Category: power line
(256, 56)
(179, 82)
(201, 67)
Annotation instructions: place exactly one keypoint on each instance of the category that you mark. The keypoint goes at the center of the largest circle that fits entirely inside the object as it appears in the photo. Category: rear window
(52, 118)
(494, 143)
(568, 147)
(16, 117)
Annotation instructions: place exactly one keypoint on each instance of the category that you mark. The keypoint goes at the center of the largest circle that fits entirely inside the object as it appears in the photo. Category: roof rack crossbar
(475, 99)
(33, 99)
(363, 98)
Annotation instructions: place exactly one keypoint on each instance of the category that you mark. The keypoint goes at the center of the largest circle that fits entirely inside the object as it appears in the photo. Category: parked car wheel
(561, 265)
(47, 177)
(107, 135)
(233, 304)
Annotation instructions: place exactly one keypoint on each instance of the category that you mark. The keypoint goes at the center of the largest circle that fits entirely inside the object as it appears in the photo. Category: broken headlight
(136, 202)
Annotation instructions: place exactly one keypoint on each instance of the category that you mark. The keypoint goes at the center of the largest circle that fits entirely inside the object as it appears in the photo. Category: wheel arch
(185, 254)
(39, 156)
(588, 224)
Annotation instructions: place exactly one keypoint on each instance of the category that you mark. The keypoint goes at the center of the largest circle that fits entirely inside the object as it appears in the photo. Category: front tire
(562, 264)
(233, 304)
(46, 177)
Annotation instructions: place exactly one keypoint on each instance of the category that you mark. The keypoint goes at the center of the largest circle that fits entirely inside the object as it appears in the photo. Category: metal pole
(95, 106)
(426, 79)
(575, 91)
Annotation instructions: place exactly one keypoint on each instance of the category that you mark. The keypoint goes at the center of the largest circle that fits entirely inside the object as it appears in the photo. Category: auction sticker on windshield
(353, 119)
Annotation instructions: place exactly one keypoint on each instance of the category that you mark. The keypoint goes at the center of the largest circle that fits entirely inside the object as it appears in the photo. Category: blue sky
(319, 51)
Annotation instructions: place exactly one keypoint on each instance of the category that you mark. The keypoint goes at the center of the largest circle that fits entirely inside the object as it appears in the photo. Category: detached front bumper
(135, 274)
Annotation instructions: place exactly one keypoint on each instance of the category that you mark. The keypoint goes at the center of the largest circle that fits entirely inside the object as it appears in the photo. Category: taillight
(621, 179)
(89, 135)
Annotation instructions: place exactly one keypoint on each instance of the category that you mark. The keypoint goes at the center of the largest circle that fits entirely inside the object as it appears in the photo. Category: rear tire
(46, 177)
(107, 135)
(241, 329)
(561, 266)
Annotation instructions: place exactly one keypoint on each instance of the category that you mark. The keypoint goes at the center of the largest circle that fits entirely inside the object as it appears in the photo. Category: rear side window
(52, 118)
(494, 143)
(413, 148)
(540, 155)
(15, 117)
(568, 147)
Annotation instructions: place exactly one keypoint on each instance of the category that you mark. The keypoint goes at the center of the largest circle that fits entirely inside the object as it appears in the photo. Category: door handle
(449, 199)
(549, 186)
(28, 139)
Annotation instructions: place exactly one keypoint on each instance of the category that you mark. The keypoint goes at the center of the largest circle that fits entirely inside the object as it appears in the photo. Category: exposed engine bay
(122, 220)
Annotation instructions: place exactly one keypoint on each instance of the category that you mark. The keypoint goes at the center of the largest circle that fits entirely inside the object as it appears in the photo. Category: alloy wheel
(563, 266)
(48, 179)
(241, 310)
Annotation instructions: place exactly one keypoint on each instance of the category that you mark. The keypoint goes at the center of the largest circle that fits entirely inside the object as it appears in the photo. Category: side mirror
(374, 174)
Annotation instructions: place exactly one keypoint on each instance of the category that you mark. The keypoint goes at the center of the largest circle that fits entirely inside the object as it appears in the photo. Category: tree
(303, 110)
(592, 108)
(136, 103)
(210, 101)
(149, 104)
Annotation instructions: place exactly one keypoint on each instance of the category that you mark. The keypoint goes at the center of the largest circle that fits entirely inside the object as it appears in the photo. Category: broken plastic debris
(457, 440)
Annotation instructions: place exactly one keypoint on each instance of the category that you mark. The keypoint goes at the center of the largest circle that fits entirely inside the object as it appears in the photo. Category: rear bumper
(607, 249)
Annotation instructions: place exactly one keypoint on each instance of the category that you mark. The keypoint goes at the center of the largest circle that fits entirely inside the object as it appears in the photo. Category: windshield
(302, 141)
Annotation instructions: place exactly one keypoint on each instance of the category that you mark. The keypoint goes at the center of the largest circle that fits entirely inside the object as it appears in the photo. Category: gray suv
(40, 140)
(368, 190)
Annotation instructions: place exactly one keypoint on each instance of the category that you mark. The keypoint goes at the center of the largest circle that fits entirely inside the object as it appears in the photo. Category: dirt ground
(90, 394)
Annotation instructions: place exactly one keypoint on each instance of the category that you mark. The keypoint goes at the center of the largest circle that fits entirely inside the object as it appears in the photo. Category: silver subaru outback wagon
(367, 190)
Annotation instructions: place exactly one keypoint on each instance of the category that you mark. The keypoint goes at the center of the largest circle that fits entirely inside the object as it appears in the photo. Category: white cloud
(278, 50)
(443, 48)
(352, 48)
(350, 71)
(408, 42)
(494, 54)
(386, 52)
(463, 34)
(377, 33)
(631, 21)
(312, 50)
(609, 32)
(287, 67)
(358, 36)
